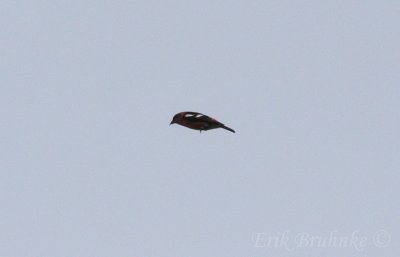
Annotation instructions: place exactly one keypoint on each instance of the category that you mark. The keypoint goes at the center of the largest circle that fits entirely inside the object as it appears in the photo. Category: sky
(89, 166)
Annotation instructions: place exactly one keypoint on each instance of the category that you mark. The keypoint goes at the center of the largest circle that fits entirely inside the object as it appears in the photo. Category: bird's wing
(195, 116)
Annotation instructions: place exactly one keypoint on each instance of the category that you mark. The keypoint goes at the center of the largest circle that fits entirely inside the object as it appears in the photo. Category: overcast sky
(89, 166)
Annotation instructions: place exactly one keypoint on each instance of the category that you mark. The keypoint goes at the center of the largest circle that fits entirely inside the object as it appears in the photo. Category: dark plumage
(198, 121)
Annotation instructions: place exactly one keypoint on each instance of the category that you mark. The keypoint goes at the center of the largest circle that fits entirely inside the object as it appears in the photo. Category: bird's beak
(172, 122)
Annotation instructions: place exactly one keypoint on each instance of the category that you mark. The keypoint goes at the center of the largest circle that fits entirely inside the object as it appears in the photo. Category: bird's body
(198, 121)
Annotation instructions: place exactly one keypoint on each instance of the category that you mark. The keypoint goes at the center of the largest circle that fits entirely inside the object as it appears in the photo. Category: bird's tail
(225, 127)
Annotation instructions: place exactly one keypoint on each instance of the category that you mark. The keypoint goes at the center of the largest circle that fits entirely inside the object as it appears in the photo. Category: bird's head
(175, 118)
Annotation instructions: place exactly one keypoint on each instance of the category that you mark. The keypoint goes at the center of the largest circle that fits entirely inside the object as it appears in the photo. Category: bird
(197, 121)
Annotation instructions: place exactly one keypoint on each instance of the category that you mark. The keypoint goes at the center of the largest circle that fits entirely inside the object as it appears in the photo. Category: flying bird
(197, 121)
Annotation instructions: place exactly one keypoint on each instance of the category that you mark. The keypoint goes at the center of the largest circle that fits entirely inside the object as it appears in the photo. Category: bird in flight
(197, 121)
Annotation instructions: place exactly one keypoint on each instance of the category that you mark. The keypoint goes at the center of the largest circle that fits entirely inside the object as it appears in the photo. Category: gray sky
(90, 167)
